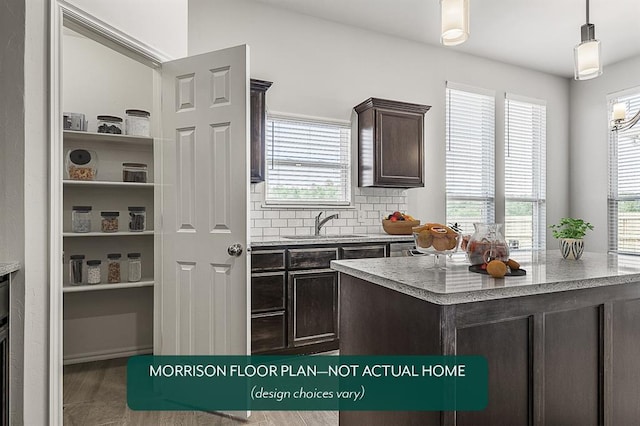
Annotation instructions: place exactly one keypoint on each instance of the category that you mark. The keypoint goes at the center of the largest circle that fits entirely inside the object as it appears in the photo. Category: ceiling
(537, 34)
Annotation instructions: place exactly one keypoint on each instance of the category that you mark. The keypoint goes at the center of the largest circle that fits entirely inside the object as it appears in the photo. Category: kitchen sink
(319, 237)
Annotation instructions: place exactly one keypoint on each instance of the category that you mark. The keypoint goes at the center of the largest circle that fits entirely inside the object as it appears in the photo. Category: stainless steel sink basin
(319, 237)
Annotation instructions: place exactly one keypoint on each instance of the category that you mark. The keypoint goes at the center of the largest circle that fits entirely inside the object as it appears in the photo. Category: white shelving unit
(68, 288)
(105, 320)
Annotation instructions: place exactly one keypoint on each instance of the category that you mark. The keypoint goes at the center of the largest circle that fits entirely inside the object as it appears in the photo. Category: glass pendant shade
(587, 60)
(455, 21)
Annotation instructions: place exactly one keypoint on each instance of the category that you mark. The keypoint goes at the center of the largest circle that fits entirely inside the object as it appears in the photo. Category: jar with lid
(109, 124)
(113, 268)
(81, 164)
(76, 262)
(81, 218)
(134, 172)
(135, 267)
(93, 271)
(137, 219)
(109, 221)
(137, 123)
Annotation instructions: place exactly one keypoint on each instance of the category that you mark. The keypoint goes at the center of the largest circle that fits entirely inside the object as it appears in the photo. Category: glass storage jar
(113, 268)
(109, 221)
(93, 272)
(137, 123)
(134, 267)
(134, 172)
(487, 243)
(76, 262)
(109, 124)
(81, 164)
(81, 218)
(137, 219)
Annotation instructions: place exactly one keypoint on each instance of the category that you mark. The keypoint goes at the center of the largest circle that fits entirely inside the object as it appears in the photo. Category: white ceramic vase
(571, 248)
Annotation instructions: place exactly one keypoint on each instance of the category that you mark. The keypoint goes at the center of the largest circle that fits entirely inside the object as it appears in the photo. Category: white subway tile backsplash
(376, 202)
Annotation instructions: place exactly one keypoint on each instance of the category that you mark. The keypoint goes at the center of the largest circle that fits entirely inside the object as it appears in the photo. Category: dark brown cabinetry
(390, 143)
(258, 117)
(566, 358)
(313, 307)
(4, 349)
(294, 296)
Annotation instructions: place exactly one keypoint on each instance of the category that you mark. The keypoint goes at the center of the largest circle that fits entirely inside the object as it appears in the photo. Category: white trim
(526, 99)
(108, 354)
(62, 12)
(471, 89)
(621, 93)
(55, 215)
(314, 119)
(98, 30)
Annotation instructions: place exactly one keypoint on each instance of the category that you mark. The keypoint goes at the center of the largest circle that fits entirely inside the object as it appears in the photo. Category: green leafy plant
(571, 228)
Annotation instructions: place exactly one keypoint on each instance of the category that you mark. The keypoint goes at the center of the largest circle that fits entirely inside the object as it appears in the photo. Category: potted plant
(571, 232)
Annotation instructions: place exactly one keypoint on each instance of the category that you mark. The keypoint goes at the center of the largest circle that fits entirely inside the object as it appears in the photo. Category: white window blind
(525, 172)
(470, 169)
(624, 181)
(308, 162)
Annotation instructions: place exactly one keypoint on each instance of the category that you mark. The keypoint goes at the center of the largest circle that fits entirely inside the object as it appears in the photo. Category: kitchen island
(562, 342)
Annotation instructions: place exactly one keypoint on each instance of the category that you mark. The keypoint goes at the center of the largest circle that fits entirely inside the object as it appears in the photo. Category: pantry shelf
(68, 182)
(87, 137)
(68, 288)
(106, 234)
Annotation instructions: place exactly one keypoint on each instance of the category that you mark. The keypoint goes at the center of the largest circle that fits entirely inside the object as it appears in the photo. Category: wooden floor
(95, 394)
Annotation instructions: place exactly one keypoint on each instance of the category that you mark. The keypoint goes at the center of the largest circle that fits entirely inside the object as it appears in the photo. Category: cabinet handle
(234, 250)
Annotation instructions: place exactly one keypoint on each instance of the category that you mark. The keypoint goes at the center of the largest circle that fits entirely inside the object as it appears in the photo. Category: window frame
(308, 203)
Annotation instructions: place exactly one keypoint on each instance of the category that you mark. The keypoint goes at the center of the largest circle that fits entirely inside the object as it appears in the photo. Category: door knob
(234, 250)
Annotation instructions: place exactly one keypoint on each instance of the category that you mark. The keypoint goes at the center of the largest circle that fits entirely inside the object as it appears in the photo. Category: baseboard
(108, 354)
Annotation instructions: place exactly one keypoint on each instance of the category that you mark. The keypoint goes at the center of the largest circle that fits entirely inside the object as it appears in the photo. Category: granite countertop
(8, 267)
(547, 272)
(327, 239)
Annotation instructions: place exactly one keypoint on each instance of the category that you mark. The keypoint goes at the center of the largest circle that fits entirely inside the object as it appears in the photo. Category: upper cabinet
(258, 122)
(391, 143)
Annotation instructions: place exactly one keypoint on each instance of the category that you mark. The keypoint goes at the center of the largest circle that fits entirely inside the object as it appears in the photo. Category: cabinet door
(313, 307)
(268, 331)
(268, 291)
(258, 113)
(4, 373)
(399, 149)
(362, 252)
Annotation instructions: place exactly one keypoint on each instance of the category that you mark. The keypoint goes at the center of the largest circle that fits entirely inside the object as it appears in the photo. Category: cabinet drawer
(362, 252)
(312, 258)
(267, 260)
(268, 291)
(268, 331)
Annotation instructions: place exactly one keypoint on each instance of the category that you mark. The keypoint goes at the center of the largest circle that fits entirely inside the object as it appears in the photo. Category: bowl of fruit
(399, 224)
(435, 238)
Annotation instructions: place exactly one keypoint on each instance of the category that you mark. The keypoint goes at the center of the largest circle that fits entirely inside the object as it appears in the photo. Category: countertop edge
(486, 294)
(8, 267)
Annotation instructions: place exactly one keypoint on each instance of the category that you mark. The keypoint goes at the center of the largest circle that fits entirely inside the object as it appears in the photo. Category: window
(525, 172)
(624, 181)
(308, 162)
(470, 139)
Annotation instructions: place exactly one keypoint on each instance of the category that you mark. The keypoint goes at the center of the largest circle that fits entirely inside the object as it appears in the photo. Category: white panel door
(205, 178)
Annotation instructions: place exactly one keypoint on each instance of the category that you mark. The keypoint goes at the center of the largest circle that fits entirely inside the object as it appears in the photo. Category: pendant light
(587, 53)
(619, 119)
(455, 22)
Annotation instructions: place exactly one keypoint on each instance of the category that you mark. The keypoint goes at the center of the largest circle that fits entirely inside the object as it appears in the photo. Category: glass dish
(437, 241)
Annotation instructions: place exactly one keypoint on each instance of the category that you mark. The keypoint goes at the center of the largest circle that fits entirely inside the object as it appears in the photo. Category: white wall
(97, 80)
(324, 69)
(590, 142)
(12, 130)
(36, 213)
(161, 24)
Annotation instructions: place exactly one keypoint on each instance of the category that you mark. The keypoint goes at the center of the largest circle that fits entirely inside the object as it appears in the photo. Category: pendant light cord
(587, 11)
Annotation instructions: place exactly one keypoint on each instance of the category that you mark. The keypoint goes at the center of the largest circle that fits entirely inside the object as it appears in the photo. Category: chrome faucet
(320, 223)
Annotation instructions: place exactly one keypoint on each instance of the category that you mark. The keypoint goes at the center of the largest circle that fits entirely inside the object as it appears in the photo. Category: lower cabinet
(313, 307)
(295, 296)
